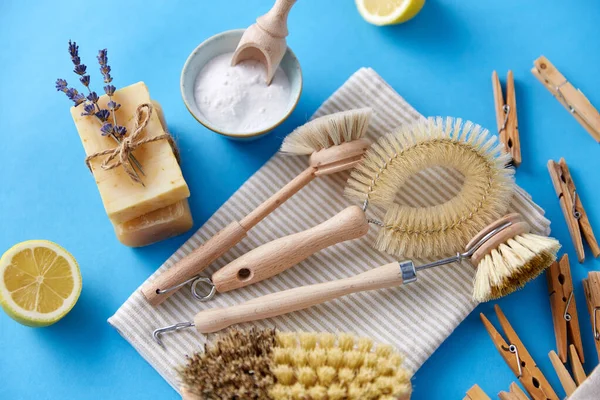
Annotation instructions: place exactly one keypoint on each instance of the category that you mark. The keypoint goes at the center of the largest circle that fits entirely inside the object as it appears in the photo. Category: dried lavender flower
(120, 130)
(102, 57)
(74, 95)
(80, 69)
(106, 129)
(89, 108)
(85, 80)
(102, 115)
(113, 106)
(109, 90)
(104, 67)
(93, 97)
(61, 85)
(73, 49)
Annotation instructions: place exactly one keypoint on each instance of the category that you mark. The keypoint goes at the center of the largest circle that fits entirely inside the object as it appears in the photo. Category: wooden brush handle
(275, 21)
(275, 257)
(215, 247)
(284, 302)
(193, 263)
(266, 208)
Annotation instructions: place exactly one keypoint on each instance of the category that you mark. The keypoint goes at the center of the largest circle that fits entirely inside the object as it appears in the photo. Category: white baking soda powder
(237, 99)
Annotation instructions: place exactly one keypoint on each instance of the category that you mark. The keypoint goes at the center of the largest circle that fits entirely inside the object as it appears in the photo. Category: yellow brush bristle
(442, 229)
(346, 368)
(513, 264)
(257, 364)
(327, 131)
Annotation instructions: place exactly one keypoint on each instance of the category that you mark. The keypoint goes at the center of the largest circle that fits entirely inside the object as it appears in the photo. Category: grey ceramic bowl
(226, 42)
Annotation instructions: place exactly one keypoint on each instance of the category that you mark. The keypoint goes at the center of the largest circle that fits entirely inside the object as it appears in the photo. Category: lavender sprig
(72, 93)
(91, 106)
(109, 89)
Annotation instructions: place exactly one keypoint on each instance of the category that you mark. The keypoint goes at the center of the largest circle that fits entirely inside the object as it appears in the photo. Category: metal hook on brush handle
(175, 327)
(190, 266)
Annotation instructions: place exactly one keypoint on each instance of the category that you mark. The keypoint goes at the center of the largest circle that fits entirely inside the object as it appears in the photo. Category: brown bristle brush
(505, 254)
(268, 364)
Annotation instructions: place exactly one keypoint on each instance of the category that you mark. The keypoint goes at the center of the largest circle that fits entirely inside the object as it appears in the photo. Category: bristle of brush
(327, 131)
(237, 365)
(513, 264)
(331, 368)
(445, 228)
(257, 364)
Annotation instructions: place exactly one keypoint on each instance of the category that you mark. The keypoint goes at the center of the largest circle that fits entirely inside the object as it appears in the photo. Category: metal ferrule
(408, 271)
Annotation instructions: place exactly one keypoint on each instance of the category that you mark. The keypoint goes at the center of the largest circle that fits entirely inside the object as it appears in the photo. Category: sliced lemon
(39, 282)
(388, 12)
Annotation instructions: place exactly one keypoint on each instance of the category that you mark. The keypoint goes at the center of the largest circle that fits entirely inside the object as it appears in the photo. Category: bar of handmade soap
(123, 199)
(156, 226)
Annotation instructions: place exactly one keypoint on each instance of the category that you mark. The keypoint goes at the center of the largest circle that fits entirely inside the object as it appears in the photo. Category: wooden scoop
(264, 41)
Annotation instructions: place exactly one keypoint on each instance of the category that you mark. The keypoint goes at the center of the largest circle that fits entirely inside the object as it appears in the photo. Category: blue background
(440, 62)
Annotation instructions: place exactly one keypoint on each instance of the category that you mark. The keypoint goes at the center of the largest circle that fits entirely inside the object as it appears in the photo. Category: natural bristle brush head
(335, 142)
(442, 229)
(267, 364)
(510, 258)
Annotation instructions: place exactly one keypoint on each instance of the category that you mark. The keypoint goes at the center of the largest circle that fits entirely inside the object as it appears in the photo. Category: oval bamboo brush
(268, 364)
(443, 229)
(406, 231)
(505, 254)
(336, 143)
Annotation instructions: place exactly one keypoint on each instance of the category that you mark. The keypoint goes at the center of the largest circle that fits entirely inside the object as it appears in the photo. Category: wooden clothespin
(476, 393)
(506, 116)
(591, 286)
(518, 358)
(576, 366)
(570, 202)
(570, 97)
(564, 308)
(565, 378)
(515, 393)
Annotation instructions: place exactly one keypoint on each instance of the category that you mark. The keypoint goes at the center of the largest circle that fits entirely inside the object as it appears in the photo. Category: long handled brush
(336, 143)
(268, 364)
(505, 254)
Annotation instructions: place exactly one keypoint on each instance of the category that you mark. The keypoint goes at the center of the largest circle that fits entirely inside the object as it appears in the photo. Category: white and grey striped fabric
(415, 318)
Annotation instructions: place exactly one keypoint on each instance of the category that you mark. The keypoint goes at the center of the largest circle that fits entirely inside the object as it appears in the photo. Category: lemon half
(388, 12)
(40, 282)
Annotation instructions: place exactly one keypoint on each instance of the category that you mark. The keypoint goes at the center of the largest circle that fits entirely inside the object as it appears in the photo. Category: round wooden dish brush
(505, 254)
(510, 259)
(268, 364)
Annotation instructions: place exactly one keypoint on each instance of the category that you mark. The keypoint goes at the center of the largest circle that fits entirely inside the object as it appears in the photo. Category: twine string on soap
(120, 155)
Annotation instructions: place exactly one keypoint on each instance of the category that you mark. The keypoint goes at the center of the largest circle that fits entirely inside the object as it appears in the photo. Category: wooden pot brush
(336, 143)
(505, 254)
(268, 364)
(405, 231)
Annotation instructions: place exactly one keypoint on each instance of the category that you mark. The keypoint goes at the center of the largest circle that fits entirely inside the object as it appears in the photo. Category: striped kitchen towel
(415, 318)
